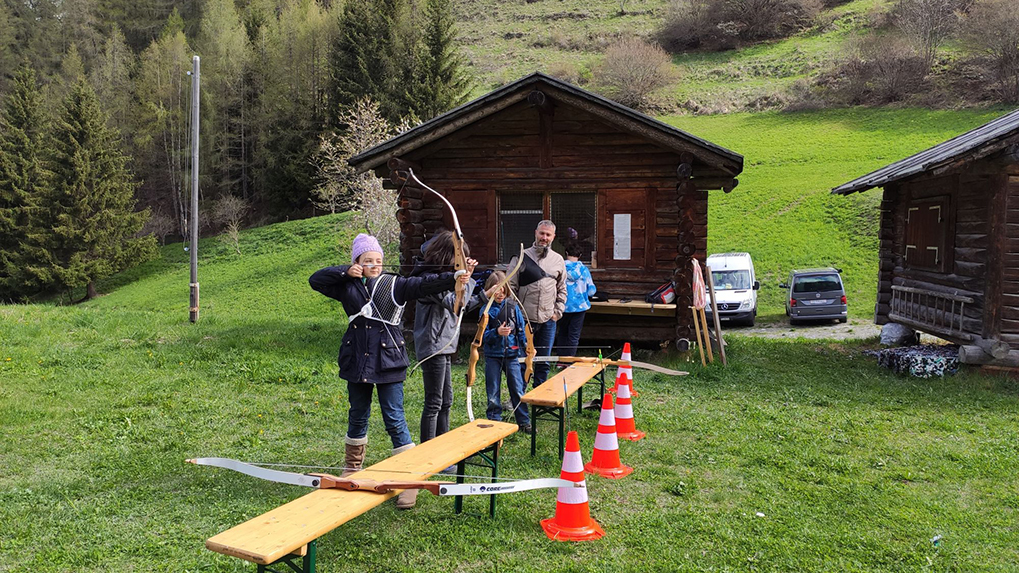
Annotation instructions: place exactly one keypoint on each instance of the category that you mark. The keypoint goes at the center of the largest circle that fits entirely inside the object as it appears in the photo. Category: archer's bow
(326, 481)
(530, 351)
(459, 267)
(479, 336)
(607, 362)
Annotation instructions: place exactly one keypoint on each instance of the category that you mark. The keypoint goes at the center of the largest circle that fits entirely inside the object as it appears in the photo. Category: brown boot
(408, 497)
(353, 455)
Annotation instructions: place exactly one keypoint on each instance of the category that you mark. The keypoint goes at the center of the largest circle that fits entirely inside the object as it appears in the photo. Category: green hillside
(782, 212)
(506, 40)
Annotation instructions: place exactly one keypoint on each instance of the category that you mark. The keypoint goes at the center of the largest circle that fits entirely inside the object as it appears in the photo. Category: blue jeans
(568, 333)
(494, 367)
(391, 403)
(544, 336)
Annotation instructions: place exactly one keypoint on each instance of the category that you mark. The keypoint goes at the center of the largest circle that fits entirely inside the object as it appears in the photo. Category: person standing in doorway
(541, 287)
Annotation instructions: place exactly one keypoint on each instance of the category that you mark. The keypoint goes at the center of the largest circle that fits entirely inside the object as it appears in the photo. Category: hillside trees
(725, 24)
(22, 183)
(90, 204)
(927, 24)
(632, 70)
(161, 137)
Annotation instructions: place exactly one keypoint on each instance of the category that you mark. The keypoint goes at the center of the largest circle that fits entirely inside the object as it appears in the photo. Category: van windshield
(817, 283)
(731, 280)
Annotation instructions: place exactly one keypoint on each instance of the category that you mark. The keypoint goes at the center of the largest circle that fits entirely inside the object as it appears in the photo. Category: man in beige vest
(541, 286)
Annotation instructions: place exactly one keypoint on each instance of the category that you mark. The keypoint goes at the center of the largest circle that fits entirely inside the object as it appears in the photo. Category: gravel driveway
(855, 328)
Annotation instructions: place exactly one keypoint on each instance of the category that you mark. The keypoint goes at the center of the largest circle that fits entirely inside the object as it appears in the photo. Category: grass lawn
(800, 456)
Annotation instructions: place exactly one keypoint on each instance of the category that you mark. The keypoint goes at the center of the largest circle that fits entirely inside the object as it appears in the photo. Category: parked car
(815, 294)
(736, 287)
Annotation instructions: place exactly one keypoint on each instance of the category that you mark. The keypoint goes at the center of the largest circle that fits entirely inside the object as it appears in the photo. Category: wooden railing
(936, 312)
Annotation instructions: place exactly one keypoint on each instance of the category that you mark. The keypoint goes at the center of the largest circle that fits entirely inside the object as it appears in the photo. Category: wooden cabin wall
(524, 149)
(1010, 261)
(966, 269)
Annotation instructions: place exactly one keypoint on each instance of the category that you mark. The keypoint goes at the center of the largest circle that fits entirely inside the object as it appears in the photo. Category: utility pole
(195, 83)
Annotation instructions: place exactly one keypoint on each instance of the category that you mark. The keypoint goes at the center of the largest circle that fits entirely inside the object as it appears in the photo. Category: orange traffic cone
(605, 461)
(625, 372)
(572, 521)
(626, 428)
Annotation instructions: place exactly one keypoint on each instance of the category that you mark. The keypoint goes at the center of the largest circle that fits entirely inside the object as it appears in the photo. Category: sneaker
(507, 407)
(526, 428)
(451, 471)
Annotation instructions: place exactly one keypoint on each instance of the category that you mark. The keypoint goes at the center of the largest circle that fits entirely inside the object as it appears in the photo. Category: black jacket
(373, 352)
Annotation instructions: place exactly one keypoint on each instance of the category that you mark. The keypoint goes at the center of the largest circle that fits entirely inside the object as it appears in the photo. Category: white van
(736, 287)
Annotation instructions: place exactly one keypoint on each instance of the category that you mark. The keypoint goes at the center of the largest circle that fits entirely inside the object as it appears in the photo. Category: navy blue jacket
(373, 352)
(513, 345)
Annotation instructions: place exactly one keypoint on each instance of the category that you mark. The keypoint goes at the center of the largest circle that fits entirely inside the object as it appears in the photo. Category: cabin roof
(980, 139)
(497, 100)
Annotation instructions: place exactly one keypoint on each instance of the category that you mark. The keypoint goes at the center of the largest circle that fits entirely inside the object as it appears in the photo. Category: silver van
(815, 294)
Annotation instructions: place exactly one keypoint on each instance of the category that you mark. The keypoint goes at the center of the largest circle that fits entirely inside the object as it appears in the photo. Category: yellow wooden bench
(548, 401)
(289, 532)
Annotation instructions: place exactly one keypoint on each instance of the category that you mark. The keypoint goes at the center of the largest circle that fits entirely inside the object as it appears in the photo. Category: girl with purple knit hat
(373, 355)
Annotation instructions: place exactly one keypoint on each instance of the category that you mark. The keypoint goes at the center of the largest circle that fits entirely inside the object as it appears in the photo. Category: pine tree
(22, 184)
(91, 206)
(7, 39)
(110, 76)
(362, 65)
(445, 82)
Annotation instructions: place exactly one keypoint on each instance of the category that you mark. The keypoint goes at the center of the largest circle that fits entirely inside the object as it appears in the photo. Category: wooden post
(707, 337)
(714, 315)
(697, 328)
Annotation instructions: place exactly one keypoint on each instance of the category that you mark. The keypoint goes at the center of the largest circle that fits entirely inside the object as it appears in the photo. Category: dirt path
(855, 328)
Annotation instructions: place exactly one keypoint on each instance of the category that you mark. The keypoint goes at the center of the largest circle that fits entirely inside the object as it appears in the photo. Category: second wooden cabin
(633, 191)
(949, 248)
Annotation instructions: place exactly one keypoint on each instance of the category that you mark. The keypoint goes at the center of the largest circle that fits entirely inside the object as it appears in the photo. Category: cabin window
(519, 214)
(926, 233)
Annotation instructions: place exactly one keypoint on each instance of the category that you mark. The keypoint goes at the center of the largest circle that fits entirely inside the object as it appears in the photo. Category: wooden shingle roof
(607, 110)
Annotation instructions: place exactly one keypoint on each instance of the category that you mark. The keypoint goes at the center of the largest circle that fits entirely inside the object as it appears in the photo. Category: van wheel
(843, 320)
(793, 321)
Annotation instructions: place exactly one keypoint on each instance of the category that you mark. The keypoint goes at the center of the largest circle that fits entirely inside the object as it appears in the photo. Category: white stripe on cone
(606, 442)
(573, 462)
(573, 495)
(624, 411)
(607, 418)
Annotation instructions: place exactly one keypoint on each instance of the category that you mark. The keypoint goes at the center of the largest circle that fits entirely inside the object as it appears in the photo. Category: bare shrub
(926, 24)
(343, 188)
(992, 30)
(568, 72)
(159, 225)
(229, 212)
(725, 24)
(882, 69)
(632, 70)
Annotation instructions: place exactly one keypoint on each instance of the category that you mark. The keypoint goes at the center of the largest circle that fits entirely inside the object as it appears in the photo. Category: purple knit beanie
(362, 244)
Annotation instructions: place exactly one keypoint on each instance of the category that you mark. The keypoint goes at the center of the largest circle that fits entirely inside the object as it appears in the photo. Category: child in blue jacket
(504, 342)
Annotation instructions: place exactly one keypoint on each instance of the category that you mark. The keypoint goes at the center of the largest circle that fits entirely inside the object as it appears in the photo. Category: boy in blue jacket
(504, 343)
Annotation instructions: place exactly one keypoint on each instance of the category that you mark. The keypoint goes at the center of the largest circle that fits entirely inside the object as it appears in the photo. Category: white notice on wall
(621, 237)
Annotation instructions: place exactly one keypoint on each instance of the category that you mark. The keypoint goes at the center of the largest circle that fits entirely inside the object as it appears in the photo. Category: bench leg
(307, 562)
(548, 413)
(487, 458)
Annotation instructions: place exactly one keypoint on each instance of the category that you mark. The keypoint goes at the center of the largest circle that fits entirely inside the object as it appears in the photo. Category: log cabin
(632, 189)
(949, 241)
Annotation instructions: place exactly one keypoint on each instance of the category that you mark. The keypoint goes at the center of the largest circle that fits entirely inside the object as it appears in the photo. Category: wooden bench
(548, 401)
(289, 532)
(632, 308)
